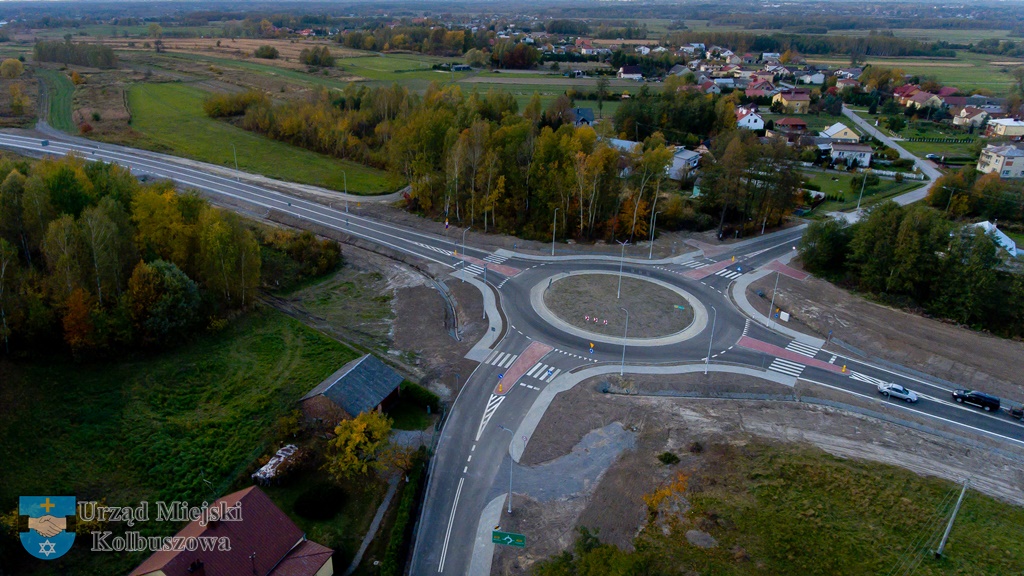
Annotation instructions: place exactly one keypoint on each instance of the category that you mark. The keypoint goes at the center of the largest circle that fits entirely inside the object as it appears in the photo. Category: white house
(748, 119)
(631, 73)
(642, 50)
(814, 78)
(850, 153)
(683, 162)
(1004, 241)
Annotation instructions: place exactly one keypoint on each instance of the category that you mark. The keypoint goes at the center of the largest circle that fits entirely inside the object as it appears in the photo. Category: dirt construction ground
(961, 356)
(615, 505)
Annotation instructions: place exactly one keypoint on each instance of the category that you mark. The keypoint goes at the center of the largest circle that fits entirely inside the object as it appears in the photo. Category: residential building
(1005, 128)
(749, 119)
(1004, 241)
(793, 102)
(710, 87)
(261, 540)
(791, 125)
(583, 116)
(811, 78)
(849, 72)
(683, 163)
(848, 83)
(839, 132)
(630, 73)
(362, 385)
(642, 50)
(922, 99)
(851, 153)
(461, 68)
(770, 56)
(678, 70)
(1005, 160)
(969, 116)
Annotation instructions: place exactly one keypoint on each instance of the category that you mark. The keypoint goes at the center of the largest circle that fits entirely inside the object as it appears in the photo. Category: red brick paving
(705, 271)
(788, 271)
(534, 352)
(761, 346)
(506, 271)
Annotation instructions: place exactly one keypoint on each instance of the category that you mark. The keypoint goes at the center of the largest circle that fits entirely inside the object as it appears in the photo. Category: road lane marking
(786, 367)
(451, 519)
(801, 348)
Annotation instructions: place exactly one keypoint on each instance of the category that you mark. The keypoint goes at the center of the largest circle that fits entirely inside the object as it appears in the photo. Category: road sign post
(508, 539)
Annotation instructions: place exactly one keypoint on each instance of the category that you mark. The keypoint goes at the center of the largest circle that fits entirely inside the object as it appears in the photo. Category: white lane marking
(508, 361)
(553, 375)
(497, 360)
(908, 407)
(534, 369)
(801, 348)
(492, 406)
(451, 519)
(786, 367)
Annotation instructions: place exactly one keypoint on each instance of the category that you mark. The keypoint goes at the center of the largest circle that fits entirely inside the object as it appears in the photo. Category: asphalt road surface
(532, 353)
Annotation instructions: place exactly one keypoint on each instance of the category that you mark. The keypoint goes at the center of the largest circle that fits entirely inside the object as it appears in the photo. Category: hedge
(398, 544)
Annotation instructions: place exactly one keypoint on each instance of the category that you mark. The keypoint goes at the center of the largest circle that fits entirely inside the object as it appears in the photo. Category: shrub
(696, 447)
(220, 105)
(268, 52)
(392, 564)
(96, 117)
(420, 396)
(668, 458)
(85, 127)
(322, 501)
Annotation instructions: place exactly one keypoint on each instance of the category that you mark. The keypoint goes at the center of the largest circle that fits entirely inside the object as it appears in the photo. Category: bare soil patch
(959, 355)
(589, 302)
(703, 433)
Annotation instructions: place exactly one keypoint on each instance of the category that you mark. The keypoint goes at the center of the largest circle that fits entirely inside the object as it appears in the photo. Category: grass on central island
(171, 117)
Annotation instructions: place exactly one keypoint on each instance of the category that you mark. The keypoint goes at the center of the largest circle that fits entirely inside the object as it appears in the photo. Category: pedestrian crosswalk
(543, 372)
(496, 259)
(501, 359)
(786, 367)
(801, 348)
(692, 264)
(746, 327)
(727, 273)
(473, 269)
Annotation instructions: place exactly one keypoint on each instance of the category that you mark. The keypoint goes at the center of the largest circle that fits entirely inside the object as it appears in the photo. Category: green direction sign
(508, 539)
(680, 307)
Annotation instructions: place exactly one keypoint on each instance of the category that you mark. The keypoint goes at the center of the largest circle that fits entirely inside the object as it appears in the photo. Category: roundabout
(589, 304)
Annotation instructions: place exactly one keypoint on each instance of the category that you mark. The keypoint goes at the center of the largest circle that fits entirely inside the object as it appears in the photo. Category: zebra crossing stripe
(508, 361)
(552, 376)
(786, 367)
(730, 274)
(801, 348)
(534, 369)
(496, 361)
(865, 378)
(490, 359)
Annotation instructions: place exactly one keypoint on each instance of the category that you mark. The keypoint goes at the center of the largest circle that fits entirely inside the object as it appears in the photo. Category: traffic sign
(500, 376)
(508, 539)
(680, 307)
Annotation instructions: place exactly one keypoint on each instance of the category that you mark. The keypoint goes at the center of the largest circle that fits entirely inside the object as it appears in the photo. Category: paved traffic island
(589, 304)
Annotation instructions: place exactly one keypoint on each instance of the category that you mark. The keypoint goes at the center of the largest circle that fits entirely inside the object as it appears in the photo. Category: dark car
(987, 402)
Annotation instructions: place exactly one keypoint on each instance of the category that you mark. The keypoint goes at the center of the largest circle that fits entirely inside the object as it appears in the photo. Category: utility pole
(622, 256)
(622, 368)
(864, 174)
(235, 153)
(949, 527)
(711, 341)
(554, 226)
(772, 309)
(464, 253)
(345, 176)
(511, 463)
(654, 222)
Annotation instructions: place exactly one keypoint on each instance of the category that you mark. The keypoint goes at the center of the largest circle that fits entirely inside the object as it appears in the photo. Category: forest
(913, 257)
(477, 161)
(94, 259)
(67, 52)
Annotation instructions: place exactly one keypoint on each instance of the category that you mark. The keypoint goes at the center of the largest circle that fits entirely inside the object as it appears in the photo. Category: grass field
(154, 427)
(815, 122)
(108, 31)
(923, 34)
(860, 518)
(968, 71)
(171, 117)
(841, 185)
(60, 91)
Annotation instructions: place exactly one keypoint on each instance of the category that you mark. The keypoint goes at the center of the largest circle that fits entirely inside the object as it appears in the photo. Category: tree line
(913, 257)
(91, 257)
(94, 55)
(871, 45)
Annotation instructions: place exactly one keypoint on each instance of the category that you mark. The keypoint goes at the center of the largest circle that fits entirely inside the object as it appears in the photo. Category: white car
(896, 391)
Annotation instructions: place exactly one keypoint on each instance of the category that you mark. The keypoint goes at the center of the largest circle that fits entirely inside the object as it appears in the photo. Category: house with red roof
(263, 542)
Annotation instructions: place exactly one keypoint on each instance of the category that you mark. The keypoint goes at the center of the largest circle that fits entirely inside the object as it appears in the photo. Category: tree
(361, 445)
(9, 278)
(162, 301)
(100, 238)
(268, 52)
(11, 68)
(62, 248)
(602, 93)
(154, 30)
(79, 329)
(229, 257)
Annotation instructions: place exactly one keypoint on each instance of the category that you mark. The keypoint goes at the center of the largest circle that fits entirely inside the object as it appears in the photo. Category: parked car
(896, 391)
(987, 402)
(932, 156)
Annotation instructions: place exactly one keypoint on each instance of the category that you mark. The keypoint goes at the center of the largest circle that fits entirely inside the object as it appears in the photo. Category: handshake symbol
(48, 526)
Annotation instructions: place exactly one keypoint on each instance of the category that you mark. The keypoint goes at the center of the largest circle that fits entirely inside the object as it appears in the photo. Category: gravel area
(580, 299)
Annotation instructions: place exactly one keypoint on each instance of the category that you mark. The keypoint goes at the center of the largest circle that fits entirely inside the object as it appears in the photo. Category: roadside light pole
(511, 463)
(771, 310)
(654, 222)
(864, 181)
(464, 253)
(235, 154)
(554, 226)
(345, 176)
(711, 341)
(622, 368)
(622, 256)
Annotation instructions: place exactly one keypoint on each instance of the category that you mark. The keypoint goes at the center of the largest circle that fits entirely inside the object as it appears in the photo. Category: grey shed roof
(358, 386)
(583, 114)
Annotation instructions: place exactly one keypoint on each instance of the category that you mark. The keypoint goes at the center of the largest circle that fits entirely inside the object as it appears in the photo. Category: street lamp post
(772, 308)
(711, 341)
(511, 463)
(464, 253)
(234, 152)
(862, 183)
(345, 176)
(622, 368)
(554, 226)
(654, 222)
(622, 256)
